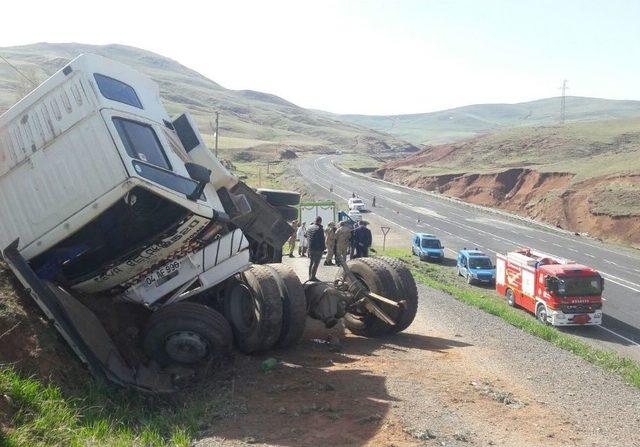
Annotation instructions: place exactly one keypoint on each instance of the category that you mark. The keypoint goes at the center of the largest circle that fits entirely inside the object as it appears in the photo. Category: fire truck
(558, 291)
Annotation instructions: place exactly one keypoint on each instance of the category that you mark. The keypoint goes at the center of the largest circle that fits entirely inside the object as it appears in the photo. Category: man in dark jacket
(362, 240)
(315, 238)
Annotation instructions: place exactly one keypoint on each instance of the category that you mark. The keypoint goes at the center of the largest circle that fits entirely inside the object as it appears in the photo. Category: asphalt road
(459, 225)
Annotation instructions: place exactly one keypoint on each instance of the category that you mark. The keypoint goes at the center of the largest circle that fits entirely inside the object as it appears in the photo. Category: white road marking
(590, 255)
(609, 262)
(572, 249)
(619, 335)
(557, 245)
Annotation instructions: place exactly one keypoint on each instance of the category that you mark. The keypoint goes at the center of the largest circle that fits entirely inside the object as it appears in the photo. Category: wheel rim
(542, 314)
(186, 347)
(510, 297)
(243, 311)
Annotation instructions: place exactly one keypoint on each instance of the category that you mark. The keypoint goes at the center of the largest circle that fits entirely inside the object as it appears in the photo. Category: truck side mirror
(201, 175)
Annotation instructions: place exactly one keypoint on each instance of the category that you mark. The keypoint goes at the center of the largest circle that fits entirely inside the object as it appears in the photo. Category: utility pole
(216, 135)
(563, 101)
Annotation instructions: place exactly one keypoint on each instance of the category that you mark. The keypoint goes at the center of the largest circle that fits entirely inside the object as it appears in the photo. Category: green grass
(42, 415)
(617, 199)
(444, 279)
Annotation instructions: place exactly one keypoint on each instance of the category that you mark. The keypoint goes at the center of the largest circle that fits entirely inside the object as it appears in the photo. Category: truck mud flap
(83, 331)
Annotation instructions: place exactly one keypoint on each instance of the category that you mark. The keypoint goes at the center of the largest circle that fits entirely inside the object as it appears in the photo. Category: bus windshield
(580, 285)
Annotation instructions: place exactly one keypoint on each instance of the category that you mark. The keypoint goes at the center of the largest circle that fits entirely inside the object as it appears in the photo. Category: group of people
(339, 241)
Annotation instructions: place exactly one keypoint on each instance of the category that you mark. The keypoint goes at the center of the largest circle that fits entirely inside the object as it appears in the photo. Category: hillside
(248, 119)
(583, 176)
(464, 122)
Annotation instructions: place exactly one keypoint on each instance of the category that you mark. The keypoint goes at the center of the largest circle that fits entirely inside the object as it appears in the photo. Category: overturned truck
(111, 211)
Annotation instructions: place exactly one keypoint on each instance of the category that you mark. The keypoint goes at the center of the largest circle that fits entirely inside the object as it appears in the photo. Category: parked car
(354, 215)
(356, 203)
(427, 247)
(476, 267)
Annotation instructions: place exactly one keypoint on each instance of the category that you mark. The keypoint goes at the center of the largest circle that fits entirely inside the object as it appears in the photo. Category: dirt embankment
(606, 207)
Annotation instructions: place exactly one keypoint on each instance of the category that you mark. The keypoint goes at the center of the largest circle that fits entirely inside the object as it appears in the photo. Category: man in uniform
(293, 237)
(330, 242)
(343, 238)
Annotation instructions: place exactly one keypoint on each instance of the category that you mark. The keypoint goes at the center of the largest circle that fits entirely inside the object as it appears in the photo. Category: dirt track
(458, 376)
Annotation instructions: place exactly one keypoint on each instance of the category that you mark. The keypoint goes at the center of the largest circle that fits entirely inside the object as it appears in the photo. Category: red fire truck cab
(558, 291)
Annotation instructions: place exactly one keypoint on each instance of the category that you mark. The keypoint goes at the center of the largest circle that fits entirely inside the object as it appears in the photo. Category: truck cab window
(141, 142)
(117, 90)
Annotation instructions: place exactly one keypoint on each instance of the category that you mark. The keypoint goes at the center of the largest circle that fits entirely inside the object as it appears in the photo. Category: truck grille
(580, 308)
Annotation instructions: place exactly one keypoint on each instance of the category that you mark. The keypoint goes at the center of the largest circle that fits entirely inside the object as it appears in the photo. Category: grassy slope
(248, 118)
(589, 150)
(464, 122)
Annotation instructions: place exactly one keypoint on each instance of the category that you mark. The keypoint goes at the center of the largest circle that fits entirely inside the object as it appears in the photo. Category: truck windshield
(582, 285)
(430, 243)
(480, 263)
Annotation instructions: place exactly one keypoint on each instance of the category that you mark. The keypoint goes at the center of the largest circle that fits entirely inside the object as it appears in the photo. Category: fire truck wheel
(187, 333)
(408, 291)
(294, 304)
(253, 306)
(511, 299)
(541, 313)
(376, 277)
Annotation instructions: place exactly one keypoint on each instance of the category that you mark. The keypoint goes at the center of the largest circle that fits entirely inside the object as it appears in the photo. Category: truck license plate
(163, 274)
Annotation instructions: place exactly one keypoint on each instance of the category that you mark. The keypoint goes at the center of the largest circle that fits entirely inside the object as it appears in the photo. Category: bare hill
(249, 119)
(464, 122)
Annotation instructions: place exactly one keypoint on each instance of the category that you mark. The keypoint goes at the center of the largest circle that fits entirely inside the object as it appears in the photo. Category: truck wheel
(278, 197)
(541, 314)
(376, 277)
(254, 308)
(469, 279)
(511, 299)
(294, 304)
(186, 333)
(408, 291)
(423, 258)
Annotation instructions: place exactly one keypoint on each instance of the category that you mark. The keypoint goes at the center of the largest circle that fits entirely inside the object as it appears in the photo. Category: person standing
(292, 238)
(330, 242)
(362, 240)
(343, 238)
(373, 202)
(302, 248)
(315, 237)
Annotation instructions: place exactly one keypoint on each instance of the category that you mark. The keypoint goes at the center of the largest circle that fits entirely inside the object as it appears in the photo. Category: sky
(368, 57)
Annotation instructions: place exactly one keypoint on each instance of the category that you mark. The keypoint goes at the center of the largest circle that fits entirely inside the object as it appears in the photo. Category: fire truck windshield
(579, 286)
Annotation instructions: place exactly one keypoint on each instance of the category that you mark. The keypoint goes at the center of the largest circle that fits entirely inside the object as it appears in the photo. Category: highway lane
(460, 225)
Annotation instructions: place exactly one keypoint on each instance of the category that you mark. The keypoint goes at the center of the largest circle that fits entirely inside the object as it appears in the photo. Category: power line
(18, 71)
(563, 101)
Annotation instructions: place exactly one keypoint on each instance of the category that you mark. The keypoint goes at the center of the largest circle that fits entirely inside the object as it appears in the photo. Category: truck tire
(408, 291)
(254, 308)
(294, 304)
(541, 314)
(289, 213)
(511, 298)
(376, 276)
(278, 197)
(187, 333)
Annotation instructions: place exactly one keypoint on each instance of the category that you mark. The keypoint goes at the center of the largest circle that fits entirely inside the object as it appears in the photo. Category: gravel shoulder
(456, 377)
